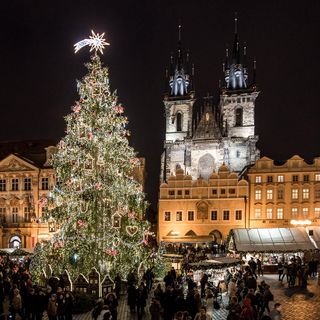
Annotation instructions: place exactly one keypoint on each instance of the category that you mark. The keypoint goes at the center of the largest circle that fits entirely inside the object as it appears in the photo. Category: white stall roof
(272, 240)
(314, 233)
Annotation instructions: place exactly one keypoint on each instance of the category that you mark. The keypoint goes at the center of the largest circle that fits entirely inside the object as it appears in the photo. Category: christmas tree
(96, 203)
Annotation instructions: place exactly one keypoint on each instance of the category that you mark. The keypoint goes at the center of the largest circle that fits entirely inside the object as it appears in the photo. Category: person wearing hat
(16, 304)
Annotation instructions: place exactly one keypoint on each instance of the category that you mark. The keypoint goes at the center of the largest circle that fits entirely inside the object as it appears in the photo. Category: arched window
(239, 116)
(179, 121)
(15, 242)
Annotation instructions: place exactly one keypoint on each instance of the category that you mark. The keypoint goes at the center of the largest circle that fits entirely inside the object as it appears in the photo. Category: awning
(314, 233)
(217, 262)
(186, 239)
(271, 240)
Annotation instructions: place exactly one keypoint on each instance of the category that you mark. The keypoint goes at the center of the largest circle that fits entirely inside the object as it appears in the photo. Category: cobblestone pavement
(296, 303)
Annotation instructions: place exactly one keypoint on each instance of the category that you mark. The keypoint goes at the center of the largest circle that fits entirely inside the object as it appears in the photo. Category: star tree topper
(96, 42)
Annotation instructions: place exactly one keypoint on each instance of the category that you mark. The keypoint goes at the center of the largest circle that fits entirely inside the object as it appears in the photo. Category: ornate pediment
(13, 163)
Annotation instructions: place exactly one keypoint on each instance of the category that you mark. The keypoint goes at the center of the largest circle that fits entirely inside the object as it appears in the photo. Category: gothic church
(223, 133)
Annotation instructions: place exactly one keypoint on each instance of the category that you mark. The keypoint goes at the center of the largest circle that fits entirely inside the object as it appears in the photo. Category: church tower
(237, 106)
(178, 103)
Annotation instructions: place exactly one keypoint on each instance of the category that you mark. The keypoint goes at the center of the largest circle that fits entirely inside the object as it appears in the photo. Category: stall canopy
(271, 240)
(314, 233)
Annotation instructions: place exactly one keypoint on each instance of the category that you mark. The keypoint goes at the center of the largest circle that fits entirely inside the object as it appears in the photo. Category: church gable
(14, 163)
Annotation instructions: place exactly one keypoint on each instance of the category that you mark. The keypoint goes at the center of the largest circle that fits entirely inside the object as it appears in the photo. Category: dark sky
(39, 68)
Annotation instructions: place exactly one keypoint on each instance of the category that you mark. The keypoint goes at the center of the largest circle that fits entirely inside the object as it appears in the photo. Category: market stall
(270, 245)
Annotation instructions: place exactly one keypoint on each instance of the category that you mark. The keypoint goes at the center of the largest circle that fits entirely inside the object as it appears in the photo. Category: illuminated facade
(200, 140)
(202, 210)
(284, 195)
(25, 177)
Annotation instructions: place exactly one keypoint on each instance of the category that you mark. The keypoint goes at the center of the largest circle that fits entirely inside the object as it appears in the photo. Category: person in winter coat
(247, 312)
(155, 309)
(209, 302)
(232, 288)
(132, 297)
(16, 304)
(202, 315)
(112, 302)
(141, 301)
(275, 313)
(52, 310)
(234, 309)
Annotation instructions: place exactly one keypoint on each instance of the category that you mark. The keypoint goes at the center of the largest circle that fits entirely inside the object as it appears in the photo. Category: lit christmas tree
(96, 203)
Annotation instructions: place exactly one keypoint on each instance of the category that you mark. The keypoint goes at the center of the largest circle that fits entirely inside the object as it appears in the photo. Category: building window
(43, 212)
(317, 177)
(179, 121)
(167, 216)
(214, 215)
(238, 154)
(179, 192)
(280, 194)
(27, 216)
(317, 213)
(269, 179)
(226, 214)
(2, 215)
(280, 178)
(3, 184)
(269, 194)
(305, 212)
(15, 211)
(223, 191)
(190, 215)
(214, 192)
(258, 179)
(295, 178)
(294, 212)
(294, 194)
(317, 193)
(280, 213)
(232, 191)
(27, 184)
(239, 115)
(15, 184)
(45, 183)
(306, 178)
(305, 193)
(238, 214)
(269, 213)
(171, 192)
(258, 194)
(257, 213)
(179, 216)
(187, 192)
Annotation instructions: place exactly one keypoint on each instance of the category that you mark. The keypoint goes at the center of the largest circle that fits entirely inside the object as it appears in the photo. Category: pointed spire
(254, 76)
(236, 49)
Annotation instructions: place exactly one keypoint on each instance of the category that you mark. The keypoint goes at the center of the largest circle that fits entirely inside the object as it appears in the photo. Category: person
(112, 302)
(16, 304)
(253, 266)
(52, 309)
(168, 279)
(232, 288)
(209, 302)
(275, 313)
(203, 283)
(267, 297)
(247, 312)
(155, 309)
(259, 267)
(234, 309)
(132, 297)
(280, 270)
(141, 301)
(227, 277)
(202, 315)
(117, 284)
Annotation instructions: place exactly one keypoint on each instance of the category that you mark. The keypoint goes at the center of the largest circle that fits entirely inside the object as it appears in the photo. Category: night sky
(39, 68)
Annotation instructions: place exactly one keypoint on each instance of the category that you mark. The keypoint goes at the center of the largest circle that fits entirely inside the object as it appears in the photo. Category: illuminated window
(294, 212)
(27, 216)
(269, 213)
(45, 183)
(214, 215)
(280, 178)
(179, 216)
(257, 213)
(15, 214)
(295, 194)
(317, 177)
(269, 178)
(3, 184)
(306, 178)
(15, 184)
(226, 214)
(27, 184)
(238, 214)
(190, 215)
(305, 212)
(167, 216)
(171, 192)
(317, 213)
(317, 193)
(295, 178)
(258, 179)
(269, 194)
(280, 194)
(3, 215)
(305, 193)
(238, 154)
(280, 213)
(258, 194)
(179, 121)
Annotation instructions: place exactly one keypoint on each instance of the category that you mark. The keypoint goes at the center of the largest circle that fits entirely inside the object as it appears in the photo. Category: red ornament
(98, 185)
(118, 109)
